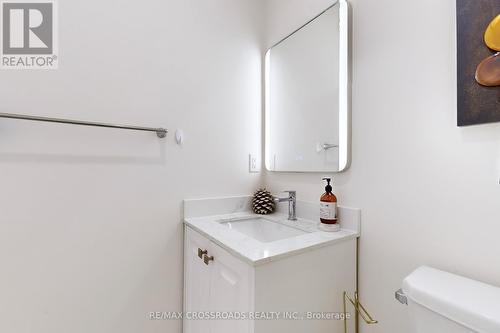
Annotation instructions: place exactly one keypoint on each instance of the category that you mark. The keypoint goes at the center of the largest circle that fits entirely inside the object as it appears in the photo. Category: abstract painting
(478, 61)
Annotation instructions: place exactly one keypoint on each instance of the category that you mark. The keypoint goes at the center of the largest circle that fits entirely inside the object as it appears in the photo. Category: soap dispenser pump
(328, 209)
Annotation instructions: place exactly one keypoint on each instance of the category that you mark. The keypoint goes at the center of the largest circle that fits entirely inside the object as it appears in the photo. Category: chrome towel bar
(160, 132)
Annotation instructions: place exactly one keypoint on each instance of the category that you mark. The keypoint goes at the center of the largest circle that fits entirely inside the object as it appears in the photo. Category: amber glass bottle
(328, 205)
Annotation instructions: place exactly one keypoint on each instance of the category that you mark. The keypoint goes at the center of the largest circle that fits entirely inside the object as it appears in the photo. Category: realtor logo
(28, 35)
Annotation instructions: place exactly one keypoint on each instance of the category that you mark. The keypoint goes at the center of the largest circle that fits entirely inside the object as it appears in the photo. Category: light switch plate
(254, 163)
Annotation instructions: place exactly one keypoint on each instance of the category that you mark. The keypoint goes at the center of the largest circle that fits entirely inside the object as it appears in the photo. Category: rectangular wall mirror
(307, 96)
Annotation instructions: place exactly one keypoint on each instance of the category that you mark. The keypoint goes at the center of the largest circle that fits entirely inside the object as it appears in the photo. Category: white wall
(428, 189)
(90, 225)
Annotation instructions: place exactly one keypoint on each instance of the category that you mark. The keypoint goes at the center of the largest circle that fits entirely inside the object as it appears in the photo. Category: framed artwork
(478, 61)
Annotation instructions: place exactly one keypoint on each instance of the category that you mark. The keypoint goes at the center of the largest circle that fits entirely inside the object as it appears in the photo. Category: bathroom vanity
(266, 274)
(246, 273)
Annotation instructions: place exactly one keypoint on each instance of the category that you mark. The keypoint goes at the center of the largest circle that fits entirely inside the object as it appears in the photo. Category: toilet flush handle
(401, 297)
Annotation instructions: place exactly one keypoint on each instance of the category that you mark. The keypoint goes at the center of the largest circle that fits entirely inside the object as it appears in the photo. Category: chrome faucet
(292, 204)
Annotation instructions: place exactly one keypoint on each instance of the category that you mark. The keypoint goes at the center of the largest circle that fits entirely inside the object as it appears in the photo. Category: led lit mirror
(307, 96)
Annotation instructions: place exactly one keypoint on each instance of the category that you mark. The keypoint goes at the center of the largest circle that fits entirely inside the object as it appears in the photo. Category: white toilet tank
(440, 302)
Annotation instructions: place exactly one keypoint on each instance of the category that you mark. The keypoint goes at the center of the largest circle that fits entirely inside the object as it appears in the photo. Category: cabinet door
(196, 281)
(231, 291)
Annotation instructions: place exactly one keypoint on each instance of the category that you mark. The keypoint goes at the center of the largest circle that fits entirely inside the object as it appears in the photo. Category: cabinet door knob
(208, 259)
(201, 253)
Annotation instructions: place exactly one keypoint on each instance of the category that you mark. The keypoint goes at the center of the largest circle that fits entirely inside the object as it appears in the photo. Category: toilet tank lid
(473, 304)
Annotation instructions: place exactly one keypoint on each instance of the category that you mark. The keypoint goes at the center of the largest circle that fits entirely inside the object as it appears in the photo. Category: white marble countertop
(255, 252)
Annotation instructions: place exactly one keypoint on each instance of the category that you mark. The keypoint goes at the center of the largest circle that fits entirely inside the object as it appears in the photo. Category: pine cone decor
(263, 202)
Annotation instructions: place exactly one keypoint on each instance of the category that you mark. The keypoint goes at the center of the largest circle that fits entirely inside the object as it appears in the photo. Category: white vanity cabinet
(220, 285)
(296, 285)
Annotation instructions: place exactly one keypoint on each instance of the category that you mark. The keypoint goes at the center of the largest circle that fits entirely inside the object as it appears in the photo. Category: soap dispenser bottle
(328, 209)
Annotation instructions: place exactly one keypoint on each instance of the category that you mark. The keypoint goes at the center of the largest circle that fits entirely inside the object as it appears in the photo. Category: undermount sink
(261, 229)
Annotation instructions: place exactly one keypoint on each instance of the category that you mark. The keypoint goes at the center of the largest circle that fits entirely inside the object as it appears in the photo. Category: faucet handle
(290, 193)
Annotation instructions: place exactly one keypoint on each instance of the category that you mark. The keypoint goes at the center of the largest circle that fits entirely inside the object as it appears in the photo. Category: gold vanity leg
(360, 310)
(356, 315)
(345, 312)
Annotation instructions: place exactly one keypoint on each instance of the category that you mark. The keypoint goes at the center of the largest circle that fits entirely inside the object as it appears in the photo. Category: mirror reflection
(307, 96)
